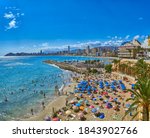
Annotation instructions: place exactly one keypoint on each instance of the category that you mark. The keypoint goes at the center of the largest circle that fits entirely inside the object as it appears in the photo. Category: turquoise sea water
(24, 79)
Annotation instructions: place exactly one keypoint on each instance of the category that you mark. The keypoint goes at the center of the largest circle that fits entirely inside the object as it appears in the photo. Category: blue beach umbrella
(80, 94)
(94, 110)
(127, 105)
(86, 102)
(109, 105)
(101, 83)
(102, 116)
(89, 93)
(115, 99)
(99, 97)
(101, 86)
(78, 104)
(112, 87)
(94, 99)
(76, 91)
(120, 81)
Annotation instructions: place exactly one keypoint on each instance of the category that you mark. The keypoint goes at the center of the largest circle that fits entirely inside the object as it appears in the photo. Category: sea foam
(18, 64)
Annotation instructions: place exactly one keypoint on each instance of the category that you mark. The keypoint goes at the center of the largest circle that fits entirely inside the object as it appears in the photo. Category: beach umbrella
(97, 114)
(94, 99)
(105, 93)
(86, 102)
(47, 118)
(109, 105)
(81, 95)
(76, 95)
(91, 106)
(111, 99)
(89, 93)
(127, 105)
(99, 96)
(72, 101)
(101, 83)
(81, 108)
(89, 88)
(102, 87)
(56, 119)
(75, 107)
(79, 86)
(94, 110)
(94, 89)
(120, 81)
(105, 101)
(68, 112)
(76, 91)
(115, 99)
(80, 115)
(78, 104)
(102, 116)
(80, 101)
(112, 87)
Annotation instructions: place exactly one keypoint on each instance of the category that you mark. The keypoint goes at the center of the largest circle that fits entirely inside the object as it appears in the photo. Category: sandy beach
(66, 112)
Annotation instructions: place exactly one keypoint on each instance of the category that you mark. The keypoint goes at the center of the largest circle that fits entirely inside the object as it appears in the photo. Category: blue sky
(30, 25)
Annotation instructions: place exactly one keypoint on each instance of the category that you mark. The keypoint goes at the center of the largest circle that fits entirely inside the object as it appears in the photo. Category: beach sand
(57, 103)
(60, 102)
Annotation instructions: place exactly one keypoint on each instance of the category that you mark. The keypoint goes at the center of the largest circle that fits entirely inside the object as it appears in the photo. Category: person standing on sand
(66, 103)
(32, 111)
(43, 105)
(44, 95)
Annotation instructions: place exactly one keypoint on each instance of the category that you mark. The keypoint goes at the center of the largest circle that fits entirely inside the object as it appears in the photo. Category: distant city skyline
(30, 25)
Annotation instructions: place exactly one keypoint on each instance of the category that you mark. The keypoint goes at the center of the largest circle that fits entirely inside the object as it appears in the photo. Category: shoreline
(57, 103)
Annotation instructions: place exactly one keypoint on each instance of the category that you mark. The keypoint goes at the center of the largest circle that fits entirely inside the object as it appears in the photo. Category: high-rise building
(68, 49)
(88, 50)
(41, 52)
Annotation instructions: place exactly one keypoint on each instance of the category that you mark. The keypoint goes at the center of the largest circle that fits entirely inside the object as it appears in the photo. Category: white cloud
(13, 17)
(12, 24)
(136, 37)
(127, 37)
(9, 15)
(145, 43)
(47, 47)
(45, 44)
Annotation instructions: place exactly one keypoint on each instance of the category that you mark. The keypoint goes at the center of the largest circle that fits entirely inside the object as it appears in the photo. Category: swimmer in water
(6, 99)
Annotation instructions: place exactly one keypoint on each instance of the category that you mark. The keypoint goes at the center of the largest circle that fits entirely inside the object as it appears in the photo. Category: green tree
(142, 69)
(116, 63)
(123, 68)
(108, 68)
(141, 99)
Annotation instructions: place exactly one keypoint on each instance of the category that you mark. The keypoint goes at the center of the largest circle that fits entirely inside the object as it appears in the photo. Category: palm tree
(142, 69)
(129, 67)
(116, 63)
(123, 67)
(141, 99)
(108, 68)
